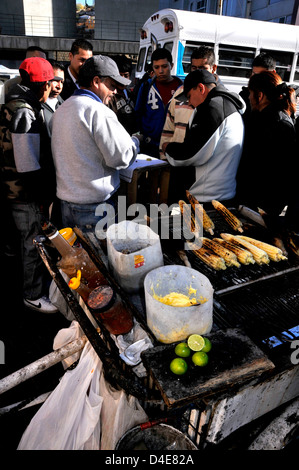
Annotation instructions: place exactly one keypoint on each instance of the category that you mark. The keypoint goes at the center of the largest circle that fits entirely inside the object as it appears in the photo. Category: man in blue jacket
(153, 100)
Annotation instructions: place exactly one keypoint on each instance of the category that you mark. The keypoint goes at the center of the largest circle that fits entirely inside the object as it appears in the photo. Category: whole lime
(208, 345)
(182, 350)
(200, 358)
(178, 366)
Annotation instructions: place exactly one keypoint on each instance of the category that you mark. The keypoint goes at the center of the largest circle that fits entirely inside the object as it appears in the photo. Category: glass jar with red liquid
(107, 306)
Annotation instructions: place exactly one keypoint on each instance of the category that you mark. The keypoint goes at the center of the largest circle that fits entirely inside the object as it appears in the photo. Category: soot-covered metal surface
(233, 359)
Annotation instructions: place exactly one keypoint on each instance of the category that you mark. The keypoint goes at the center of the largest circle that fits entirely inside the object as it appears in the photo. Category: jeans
(87, 217)
(27, 218)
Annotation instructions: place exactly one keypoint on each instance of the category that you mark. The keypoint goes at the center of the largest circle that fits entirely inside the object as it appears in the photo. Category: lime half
(196, 342)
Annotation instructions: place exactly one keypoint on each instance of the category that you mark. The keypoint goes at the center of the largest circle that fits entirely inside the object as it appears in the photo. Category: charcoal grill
(262, 300)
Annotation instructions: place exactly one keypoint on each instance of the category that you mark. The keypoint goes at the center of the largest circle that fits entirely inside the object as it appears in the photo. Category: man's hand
(164, 146)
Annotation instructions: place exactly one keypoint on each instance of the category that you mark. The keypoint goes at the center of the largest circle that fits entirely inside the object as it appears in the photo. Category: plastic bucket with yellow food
(179, 302)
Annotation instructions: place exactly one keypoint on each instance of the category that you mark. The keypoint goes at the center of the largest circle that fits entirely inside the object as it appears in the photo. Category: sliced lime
(196, 342)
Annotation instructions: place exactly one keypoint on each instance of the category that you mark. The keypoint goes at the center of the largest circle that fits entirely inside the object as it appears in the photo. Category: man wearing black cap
(214, 139)
(94, 146)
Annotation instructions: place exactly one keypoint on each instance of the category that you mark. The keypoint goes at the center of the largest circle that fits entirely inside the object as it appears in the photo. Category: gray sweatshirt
(89, 146)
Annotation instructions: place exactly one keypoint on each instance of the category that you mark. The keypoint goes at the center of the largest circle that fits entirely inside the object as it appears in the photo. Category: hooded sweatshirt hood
(234, 98)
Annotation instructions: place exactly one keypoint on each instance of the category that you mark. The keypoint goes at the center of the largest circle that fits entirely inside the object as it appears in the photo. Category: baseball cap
(192, 80)
(38, 69)
(103, 66)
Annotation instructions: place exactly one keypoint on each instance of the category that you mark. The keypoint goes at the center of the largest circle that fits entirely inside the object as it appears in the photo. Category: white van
(236, 41)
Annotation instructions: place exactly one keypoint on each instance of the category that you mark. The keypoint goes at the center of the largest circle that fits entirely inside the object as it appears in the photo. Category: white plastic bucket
(133, 250)
(168, 323)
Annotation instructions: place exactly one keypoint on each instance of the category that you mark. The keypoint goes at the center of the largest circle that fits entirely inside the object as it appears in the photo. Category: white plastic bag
(65, 336)
(119, 413)
(58, 300)
(83, 412)
(70, 418)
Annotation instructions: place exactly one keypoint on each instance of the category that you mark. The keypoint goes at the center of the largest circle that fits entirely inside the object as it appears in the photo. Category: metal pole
(220, 7)
(41, 364)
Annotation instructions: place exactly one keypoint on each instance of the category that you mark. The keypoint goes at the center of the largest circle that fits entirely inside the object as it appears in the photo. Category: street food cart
(253, 369)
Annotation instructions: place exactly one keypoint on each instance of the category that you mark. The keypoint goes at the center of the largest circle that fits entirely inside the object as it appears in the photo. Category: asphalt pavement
(25, 337)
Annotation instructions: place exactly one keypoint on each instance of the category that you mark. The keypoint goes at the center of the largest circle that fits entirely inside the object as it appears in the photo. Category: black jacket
(48, 111)
(269, 163)
(68, 85)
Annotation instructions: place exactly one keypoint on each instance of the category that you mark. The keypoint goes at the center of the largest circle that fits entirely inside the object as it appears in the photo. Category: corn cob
(229, 257)
(244, 256)
(200, 212)
(274, 253)
(230, 218)
(260, 256)
(209, 258)
(188, 218)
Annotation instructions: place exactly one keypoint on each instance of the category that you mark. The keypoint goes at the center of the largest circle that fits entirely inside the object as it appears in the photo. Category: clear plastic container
(133, 250)
(168, 323)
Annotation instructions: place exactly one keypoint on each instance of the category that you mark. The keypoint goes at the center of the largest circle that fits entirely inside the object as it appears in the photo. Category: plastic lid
(68, 234)
(101, 298)
(74, 282)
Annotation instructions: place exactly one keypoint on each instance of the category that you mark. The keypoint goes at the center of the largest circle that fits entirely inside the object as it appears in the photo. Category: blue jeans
(27, 218)
(87, 216)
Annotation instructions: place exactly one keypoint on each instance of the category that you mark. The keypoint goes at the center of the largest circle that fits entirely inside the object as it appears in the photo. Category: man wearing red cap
(28, 170)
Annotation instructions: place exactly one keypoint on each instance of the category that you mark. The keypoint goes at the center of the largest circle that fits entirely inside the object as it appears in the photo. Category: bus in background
(6, 74)
(236, 41)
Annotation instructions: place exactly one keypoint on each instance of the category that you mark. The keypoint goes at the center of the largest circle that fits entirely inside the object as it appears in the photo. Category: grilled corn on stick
(229, 257)
(230, 218)
(212, 260)
(274, 253)
(199, 211)
(188, 218)
(260, 256)
(244, 256)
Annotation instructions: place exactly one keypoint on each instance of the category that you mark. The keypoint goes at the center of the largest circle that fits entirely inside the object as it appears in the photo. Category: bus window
(189, 48)
(296, 76)
(284, 62)
(235, 61)
(168, 46)
(141, 57)
(149, 56)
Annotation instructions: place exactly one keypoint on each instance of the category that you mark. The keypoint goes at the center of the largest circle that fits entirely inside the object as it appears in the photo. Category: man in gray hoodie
(94, 147)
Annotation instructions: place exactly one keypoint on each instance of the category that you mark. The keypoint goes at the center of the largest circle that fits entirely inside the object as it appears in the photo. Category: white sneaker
(43, 305)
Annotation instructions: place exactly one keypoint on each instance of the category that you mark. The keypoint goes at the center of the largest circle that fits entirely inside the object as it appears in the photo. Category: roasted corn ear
(260, 256)
(212, 260)
(199, 211)
(244, 256)
(274, 253)
(230, 218)
(229, 257)
(188, 218)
